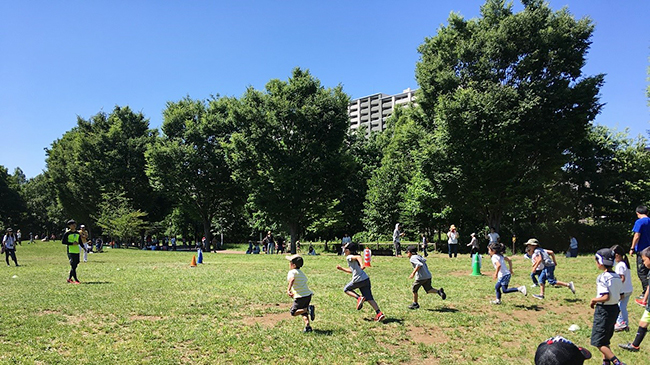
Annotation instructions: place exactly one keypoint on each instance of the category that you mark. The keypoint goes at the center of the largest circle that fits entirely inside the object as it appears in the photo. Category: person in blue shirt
(640, 241)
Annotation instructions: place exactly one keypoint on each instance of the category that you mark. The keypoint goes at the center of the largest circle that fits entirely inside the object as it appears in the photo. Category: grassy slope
(151, 307)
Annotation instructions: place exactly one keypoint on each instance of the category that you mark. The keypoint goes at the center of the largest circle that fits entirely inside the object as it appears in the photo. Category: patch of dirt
(267, 320)
(427, 335)
(462, 273)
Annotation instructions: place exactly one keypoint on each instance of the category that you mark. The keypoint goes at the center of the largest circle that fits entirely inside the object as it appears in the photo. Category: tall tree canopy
(104, 154)
(288, 149)
(188, 163)
(506, 99)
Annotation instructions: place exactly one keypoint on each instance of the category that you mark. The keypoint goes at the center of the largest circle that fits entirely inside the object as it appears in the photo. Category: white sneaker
(497, 301)
(572, 287)
(522, 290)
(534, 285)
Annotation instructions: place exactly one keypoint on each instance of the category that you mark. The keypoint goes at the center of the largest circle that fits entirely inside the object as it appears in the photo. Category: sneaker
(380, 317)
(622, 328)
(628, 346)
(522, 290)
(497, 301)
(533, 286)
(360, 301)
(307, 329)
(572, 287)
(442, 294)
(69, 280)
(538, 296)
(312, 312)
(76, 282)
(641, 302)
(414, 306)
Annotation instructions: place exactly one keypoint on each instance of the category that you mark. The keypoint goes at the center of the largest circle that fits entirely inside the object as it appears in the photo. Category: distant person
(492, 236)
(546, 260)
(174, 243)
(99, 244)
(83, 234)
(573, 247)
(640, 242)
(645, 318)
(360, 280)
(473, 245)
(452, 241)
(72, 239)
(344, 241)
(269, 243)
(502, 274)
(422, 277)
(622, 268)
(397, 235)
(9, 246)
(560, 351)
(609, 288)
(19, 237)
(299, 291)
(31, 237)
(424, 245)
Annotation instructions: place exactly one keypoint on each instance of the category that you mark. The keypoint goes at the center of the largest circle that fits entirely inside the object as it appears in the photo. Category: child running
(645, 318)
(622, 268)
(422, 276)
(546, 260)
(501, 273)
(609, 288)
(299, 291)
(360, 280)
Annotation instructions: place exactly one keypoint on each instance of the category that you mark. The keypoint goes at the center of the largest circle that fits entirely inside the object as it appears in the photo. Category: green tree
(188, 163)
(118, 219)
(505, 98)
(288, 149)
(104, 154)
(44, 214)
(12, 206)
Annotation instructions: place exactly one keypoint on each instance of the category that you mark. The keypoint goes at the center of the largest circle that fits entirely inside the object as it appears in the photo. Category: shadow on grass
(387, 320)
(574, 300)
(323, 332)
(443, 310)
(96, 282)
(533, 307)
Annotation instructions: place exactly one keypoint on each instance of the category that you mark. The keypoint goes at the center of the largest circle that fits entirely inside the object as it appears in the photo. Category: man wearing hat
(72, 239)
(544, 259)
(9, 246)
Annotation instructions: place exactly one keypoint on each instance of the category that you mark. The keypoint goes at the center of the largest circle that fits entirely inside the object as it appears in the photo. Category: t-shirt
(503, 270)
(72, 240)
(573, 243)
(357, 273)
(622, 270)
(494, 237)
(299, 287)
(396, 234)
(609, 283)
(452, 238)
(642, 226)
(8, 242)
(423, 273)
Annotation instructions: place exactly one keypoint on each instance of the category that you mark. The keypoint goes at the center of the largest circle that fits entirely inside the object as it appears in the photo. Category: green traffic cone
(476, 265)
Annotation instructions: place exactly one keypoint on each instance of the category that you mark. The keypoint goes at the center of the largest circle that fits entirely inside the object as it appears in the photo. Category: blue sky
(63, 59)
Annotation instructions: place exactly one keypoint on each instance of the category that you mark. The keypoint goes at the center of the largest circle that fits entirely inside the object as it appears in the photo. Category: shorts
(426, 284)
(603, 327)
(363, 286)
(300, 303)
(646, 316)
(548, 273)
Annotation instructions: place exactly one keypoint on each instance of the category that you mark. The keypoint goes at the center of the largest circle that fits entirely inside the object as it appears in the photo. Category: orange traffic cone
(193, 264)
(367, 255)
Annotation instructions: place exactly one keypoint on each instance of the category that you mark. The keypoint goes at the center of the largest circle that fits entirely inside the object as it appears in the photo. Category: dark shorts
(300, 303)
(603, 327)
(426, 284)
(363, 286)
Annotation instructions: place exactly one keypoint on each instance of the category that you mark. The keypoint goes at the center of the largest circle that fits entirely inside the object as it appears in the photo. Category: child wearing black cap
(609, 289)
(422, 276)
(299, 291)
(560, 351)
(72, 239)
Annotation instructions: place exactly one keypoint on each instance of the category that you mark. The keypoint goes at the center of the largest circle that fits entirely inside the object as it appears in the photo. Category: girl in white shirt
(502, 273)
(622, 268)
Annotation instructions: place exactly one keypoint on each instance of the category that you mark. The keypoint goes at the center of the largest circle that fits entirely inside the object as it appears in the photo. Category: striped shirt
(299, 287)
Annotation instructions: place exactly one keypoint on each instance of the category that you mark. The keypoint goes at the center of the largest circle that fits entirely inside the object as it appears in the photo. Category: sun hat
(532, 242)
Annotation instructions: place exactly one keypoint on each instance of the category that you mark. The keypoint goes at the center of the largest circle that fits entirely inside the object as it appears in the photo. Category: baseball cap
(412, 249)
(71, 221)
(605, 256)
(296, 260)
(558, 351)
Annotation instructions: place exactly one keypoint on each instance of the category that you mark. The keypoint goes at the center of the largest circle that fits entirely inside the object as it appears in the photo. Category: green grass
(150, 307)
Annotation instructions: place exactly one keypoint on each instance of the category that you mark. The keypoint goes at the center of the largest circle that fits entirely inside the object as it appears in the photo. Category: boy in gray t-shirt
(422, 276)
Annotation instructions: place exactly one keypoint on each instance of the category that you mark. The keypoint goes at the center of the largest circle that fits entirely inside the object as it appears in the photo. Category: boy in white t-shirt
(609, 288)
(299, 291)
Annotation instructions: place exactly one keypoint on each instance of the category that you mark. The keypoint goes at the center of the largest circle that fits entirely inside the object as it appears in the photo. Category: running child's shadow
(444, 310)
(386, 321)
(533, 307)
(323, 332)
(96, 282)
(574, 300)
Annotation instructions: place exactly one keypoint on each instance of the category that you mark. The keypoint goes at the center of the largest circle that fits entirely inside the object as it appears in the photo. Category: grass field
(151, 307)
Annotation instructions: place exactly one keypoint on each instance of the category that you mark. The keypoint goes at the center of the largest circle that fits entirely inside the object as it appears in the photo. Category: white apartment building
(373, 110)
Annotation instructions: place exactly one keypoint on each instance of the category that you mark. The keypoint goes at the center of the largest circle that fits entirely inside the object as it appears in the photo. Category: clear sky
(63, 59)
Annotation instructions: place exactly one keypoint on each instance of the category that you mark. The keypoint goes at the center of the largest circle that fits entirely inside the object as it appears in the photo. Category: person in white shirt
(9, 246)
(299, 291)
(452, 241)
(502, 273)
(622, 268)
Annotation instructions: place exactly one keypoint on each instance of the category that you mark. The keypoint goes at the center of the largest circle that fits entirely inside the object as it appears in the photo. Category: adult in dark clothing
(9, 246)
(72, 239)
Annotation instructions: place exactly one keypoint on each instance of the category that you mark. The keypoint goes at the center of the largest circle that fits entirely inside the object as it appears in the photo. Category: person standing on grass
(397, 235)
(573, 247)
(19, 237)
(72, 239)
(422, 276)
(622, 268)
(473, 244)
(425, 245)
(501, 273)
(9, 246)
(299, 291)
(452, 241)
(360, 280)
(492, 236)
(609, 288)
(269, 243)
(546, 260)
(645, 318)
(641, 241)
(83, 234)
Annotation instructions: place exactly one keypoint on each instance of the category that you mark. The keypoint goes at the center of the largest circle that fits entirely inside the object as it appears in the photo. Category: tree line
(501, 135)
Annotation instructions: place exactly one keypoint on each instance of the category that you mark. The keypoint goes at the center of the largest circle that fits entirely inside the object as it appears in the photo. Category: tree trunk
(293, 231)
(206, 234)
